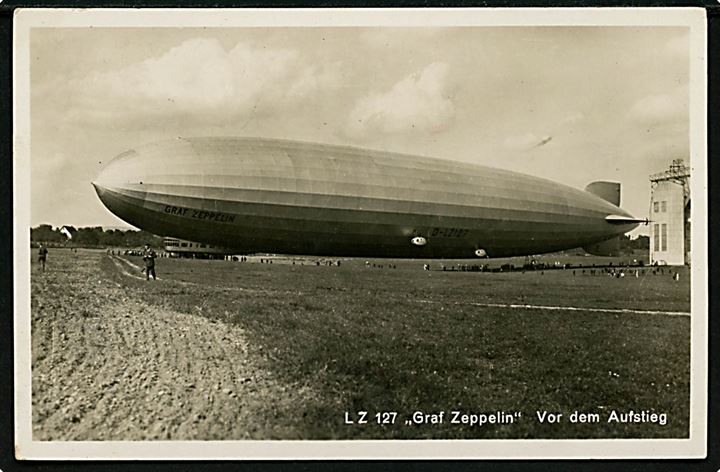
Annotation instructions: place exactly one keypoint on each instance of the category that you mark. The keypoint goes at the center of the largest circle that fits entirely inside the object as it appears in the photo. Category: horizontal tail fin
(609, 191)
(624, 220)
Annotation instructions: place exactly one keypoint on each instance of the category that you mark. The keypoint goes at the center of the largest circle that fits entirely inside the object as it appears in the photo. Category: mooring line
(565, 308)
(116, 260)
(134, 266)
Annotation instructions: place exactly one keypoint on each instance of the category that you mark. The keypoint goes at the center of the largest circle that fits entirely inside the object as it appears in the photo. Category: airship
(255, 195)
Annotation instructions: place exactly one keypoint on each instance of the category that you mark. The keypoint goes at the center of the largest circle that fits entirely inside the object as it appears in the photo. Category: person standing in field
(42, 256)
(149, 256)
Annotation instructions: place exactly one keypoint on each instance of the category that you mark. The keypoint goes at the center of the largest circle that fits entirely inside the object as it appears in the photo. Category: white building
(669, 216)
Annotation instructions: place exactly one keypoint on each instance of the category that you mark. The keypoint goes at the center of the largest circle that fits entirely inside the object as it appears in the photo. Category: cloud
(201, 80)
(660, 109)
(314, 79)
(418, 103)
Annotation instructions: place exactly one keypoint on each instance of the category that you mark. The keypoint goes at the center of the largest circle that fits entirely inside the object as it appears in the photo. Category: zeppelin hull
(295, 198)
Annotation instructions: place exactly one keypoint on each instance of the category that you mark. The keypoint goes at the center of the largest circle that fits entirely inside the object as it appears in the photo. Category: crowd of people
(380, 266)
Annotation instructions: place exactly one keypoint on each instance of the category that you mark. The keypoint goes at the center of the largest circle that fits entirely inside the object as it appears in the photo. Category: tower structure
(670, 215)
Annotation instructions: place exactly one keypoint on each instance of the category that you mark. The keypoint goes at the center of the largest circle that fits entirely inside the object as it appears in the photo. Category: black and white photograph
(380, 233)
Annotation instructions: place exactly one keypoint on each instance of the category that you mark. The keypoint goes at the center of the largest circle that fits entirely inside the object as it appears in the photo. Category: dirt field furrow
(106, 366)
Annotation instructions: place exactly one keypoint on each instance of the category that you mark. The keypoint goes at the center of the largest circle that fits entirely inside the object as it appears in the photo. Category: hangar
(181, 248)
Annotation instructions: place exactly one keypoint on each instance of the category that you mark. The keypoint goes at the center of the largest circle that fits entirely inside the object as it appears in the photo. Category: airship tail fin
(609, 191)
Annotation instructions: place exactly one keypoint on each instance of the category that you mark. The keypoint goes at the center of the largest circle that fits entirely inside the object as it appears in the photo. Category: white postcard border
(693, 447)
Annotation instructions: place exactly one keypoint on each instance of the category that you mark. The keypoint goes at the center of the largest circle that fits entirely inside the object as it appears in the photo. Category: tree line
(94, 236)
(629, 245)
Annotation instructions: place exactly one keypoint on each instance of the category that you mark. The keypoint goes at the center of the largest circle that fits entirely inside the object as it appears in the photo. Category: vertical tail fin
(609, 191)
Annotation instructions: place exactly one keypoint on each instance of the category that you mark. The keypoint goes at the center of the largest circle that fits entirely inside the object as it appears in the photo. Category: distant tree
(625, 245)
(628, 245)
(95, 236)
(641, 242)
(46, 234)
(113, 237)
(140, 238)
(88, 236)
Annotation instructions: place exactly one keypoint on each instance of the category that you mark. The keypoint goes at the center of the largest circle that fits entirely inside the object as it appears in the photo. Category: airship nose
(106, 181)
(99, 189)
(119, 183)
(110, 199)
(102, 193)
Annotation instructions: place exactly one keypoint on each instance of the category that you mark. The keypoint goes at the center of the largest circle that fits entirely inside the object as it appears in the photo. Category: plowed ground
(107, 366)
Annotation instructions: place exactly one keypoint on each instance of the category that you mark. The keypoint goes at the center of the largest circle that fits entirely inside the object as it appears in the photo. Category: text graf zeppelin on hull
(286, 197)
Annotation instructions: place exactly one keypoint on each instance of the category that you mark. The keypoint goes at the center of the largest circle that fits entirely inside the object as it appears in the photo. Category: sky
(572, 104)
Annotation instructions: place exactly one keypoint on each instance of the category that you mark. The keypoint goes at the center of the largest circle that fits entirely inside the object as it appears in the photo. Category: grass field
(404, 340)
